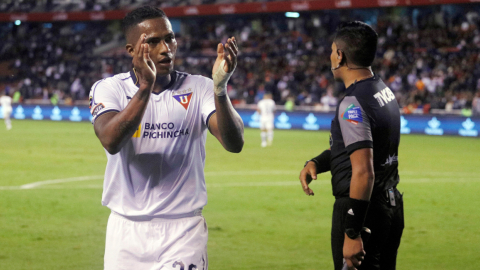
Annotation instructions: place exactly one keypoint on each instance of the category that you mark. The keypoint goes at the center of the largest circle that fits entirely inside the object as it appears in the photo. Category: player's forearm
(361, 185)
(230, 124)
(115, 132)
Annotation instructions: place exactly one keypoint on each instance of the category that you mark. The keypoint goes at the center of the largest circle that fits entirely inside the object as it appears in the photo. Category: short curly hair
(139, 15)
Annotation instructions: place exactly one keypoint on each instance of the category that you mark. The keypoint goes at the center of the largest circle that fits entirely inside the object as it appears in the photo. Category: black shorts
(386, 223)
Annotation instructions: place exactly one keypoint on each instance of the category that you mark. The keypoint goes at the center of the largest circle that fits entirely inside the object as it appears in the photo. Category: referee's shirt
(367, 117)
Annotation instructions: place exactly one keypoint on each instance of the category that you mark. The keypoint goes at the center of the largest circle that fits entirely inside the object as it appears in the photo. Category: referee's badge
(353, 114)
(184, 99)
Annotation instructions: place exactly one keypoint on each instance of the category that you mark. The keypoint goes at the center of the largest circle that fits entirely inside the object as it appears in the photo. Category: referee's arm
(363, 176)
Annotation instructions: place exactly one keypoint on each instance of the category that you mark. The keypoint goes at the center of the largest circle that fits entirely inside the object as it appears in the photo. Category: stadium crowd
(429, 58)
(101, 5)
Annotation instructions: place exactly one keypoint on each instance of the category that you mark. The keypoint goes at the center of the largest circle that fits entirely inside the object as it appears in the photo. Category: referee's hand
(353, 252)
(308, 173)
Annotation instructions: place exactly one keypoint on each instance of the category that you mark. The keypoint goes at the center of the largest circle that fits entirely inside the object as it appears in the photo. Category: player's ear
(130, 49)
(340, 56)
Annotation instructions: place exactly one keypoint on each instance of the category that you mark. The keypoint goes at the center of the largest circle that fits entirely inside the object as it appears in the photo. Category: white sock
(270, 137)
(263, 135)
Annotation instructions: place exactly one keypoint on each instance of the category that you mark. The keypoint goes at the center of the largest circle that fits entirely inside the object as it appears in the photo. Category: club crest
(184, 99)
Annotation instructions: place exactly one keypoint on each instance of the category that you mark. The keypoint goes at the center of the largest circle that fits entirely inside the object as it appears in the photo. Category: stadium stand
(429, 56)
(101, 5)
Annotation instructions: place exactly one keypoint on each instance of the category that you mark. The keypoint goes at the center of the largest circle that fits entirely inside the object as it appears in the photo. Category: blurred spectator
(476, 104)
(429, 58)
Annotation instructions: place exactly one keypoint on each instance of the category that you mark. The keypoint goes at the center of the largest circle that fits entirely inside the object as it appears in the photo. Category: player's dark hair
(358, 42)
(139, 15)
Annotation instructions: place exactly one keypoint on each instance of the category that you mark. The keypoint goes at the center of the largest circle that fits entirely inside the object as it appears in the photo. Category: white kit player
(266, 109)
(153, 124)
(6, 103)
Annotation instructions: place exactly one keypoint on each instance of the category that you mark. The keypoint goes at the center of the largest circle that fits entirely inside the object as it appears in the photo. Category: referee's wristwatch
(351, 233)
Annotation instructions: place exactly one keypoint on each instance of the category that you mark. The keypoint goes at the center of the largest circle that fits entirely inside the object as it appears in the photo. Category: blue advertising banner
(410, 124)
(49, 112)
(437, 125)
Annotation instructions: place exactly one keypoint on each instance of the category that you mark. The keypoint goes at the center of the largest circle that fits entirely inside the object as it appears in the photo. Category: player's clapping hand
(308, 173)
(224, 65)
(144, 67)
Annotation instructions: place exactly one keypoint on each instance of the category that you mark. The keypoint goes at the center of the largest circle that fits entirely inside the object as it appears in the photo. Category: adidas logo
(350, 212)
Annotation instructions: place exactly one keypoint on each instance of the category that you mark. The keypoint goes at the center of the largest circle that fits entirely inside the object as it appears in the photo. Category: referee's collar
(353, 85)
(173, 77)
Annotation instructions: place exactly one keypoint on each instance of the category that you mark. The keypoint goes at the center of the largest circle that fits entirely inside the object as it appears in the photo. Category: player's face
(162, 43)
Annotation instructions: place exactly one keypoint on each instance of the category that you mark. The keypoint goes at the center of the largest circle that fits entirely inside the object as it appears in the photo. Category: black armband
(322, 161)
(357, 210)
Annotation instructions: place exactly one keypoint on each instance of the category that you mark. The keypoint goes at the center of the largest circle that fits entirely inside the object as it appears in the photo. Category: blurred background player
(6, 102)
(153, 122)
(266, 110)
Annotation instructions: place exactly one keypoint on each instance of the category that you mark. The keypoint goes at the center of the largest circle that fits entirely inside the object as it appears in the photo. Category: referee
(363, 157)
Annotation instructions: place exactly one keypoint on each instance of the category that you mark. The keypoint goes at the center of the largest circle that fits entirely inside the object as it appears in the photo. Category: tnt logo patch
(184, 99)
(353, 114)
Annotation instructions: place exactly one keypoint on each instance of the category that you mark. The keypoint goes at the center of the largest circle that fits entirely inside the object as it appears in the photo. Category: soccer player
(363, 157)
(153, 122)
(266, 110)
(6, 102)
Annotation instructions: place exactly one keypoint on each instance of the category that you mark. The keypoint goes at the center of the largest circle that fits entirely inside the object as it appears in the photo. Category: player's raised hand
(308, 173)
(224, 66)
(145, 69)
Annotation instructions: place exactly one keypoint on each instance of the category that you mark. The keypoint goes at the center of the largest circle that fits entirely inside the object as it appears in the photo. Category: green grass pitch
(257, 214)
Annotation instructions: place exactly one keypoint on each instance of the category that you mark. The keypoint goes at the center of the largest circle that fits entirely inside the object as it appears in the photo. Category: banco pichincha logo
(254, 120)
(468, 129)
(19, 112)
(404, 129)
(311, 122)
(37, 113)
(434, 127)
(56, 114)
(283, 121)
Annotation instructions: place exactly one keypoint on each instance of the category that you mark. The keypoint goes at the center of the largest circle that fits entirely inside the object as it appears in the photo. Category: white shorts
(7, 112)
(157, 244)
(266, 124)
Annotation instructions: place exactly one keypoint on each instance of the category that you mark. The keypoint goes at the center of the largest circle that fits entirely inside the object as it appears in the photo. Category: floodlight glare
(292, 14)
(18, 22)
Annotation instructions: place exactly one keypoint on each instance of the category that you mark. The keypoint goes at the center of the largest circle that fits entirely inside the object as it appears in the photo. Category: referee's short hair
(358, 41)
(139, 15)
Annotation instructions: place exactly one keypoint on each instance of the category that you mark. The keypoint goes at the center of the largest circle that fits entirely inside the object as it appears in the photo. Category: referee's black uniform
(368, 117)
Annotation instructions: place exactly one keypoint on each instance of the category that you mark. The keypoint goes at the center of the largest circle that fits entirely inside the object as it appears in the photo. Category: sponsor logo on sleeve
(353, 114)
(97, 108)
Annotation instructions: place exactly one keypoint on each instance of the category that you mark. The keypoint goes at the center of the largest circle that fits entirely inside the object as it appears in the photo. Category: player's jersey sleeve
(208, 101)
(103, 98)
(354, 125)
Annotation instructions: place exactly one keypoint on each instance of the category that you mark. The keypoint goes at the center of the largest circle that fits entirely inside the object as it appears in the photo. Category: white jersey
(6, 102)
(267, 109)
(160, 171)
